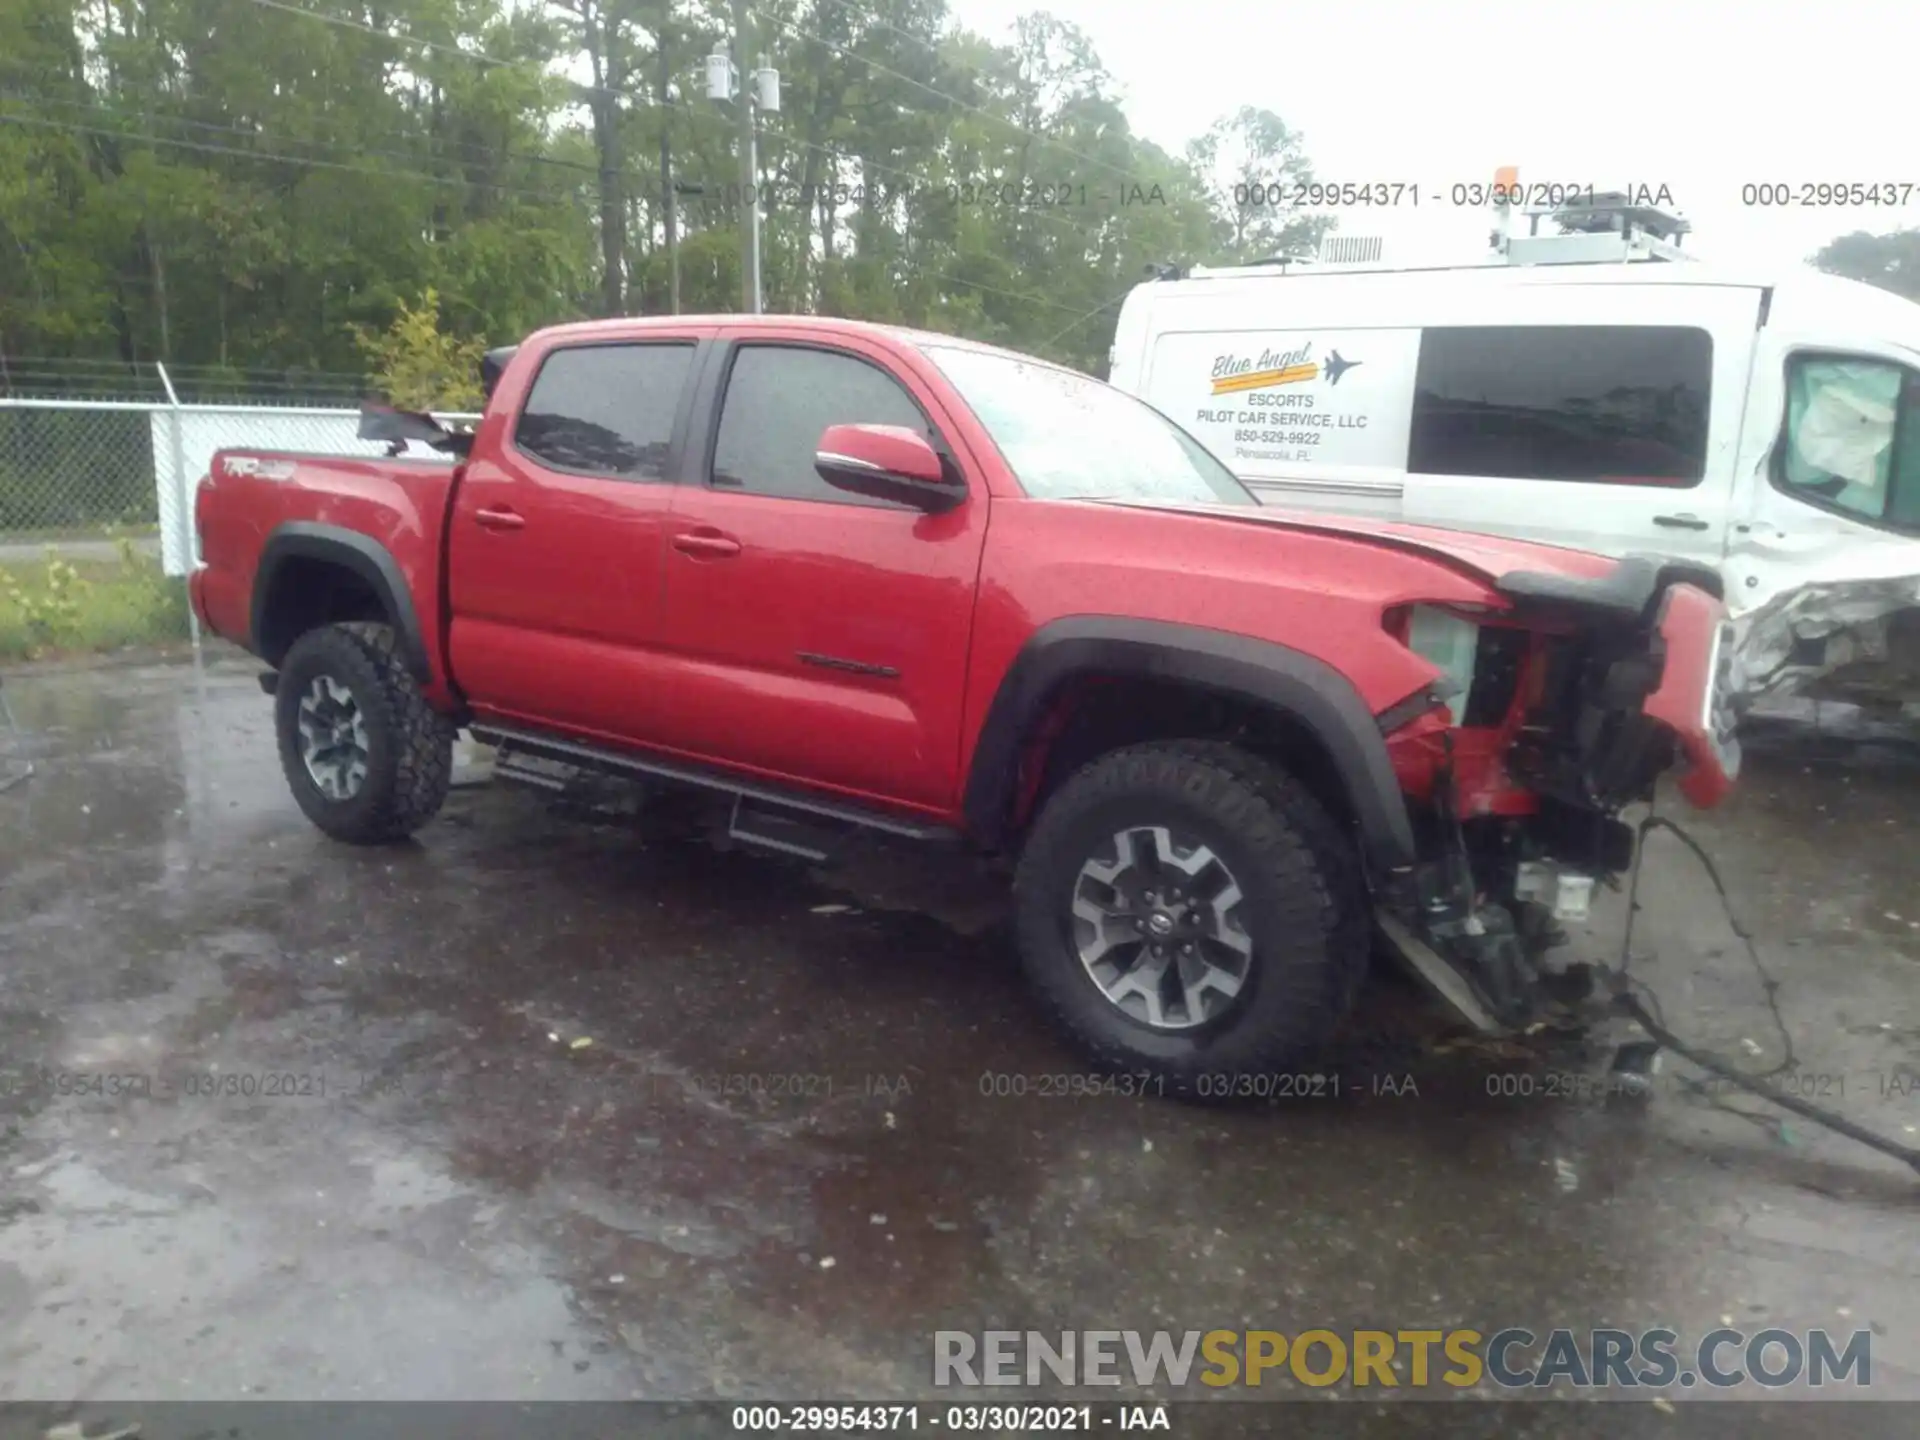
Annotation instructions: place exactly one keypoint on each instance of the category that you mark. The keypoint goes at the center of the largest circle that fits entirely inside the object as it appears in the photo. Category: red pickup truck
(847, 575)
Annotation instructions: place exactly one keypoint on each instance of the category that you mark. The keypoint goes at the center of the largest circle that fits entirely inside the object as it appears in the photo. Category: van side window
(1610, 404)
(1853, 438)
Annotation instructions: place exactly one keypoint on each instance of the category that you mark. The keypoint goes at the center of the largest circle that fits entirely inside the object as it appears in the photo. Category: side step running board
(762, 813)
(511, 764)
(792, 833)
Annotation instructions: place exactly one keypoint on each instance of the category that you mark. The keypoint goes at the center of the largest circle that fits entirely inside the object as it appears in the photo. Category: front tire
(1188, 910)
(367, 758)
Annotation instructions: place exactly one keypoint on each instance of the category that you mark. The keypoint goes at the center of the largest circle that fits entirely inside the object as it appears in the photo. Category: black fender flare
(1309, 691)
(349, 549)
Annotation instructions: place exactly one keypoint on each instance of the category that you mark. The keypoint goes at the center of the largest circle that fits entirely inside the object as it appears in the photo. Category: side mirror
(887, 462)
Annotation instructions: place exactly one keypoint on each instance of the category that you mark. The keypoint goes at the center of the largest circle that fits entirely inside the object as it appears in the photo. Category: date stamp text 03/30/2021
(1041, 194)
(984, 194)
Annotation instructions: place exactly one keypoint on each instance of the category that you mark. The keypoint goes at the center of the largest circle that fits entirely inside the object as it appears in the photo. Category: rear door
(817, 635)
(557, 531)
(1605, 416)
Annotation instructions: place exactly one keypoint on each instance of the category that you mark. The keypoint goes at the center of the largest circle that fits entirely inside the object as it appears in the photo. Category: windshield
(1069, 437)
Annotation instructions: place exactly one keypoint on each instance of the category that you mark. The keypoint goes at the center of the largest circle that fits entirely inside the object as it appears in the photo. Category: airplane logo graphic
(1336, 367)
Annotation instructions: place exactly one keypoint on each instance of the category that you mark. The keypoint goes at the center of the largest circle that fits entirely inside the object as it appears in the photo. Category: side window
(779, 398)
(1613, 404)
(1853, 438)
(605, 409)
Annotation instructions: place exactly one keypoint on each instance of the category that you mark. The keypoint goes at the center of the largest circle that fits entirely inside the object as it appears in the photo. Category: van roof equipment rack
(1597, 229)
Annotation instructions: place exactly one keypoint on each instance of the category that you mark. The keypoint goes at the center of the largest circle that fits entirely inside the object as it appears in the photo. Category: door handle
(706, 544)
(1681, 522)
(498, 520)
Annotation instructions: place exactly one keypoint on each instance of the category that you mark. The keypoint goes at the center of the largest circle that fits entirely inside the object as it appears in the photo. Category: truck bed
(256, 507)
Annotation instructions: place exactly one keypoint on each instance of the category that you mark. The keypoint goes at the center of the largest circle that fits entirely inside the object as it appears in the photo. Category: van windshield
(1070, 437)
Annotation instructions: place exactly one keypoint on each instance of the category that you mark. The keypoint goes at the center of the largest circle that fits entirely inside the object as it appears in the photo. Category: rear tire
(367, 758)
(1262, 946)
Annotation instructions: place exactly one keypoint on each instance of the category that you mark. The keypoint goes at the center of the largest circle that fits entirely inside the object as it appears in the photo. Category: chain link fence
(74, 472)
(96, 510)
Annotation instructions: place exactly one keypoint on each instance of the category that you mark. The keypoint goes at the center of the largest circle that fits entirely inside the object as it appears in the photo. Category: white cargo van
(1769, 425)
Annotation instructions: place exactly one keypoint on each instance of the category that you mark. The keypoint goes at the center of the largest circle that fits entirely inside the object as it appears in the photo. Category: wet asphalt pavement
(365, 1151)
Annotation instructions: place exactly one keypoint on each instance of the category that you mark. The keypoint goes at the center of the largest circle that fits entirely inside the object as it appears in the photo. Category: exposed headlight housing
(1450, 642)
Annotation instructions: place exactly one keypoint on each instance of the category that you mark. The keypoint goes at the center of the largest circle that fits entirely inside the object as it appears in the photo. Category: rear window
(606, 409)
(1620, 404)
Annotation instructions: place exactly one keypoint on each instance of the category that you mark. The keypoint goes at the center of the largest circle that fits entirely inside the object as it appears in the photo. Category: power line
(545, 196)
(1098, 309)
(345, 22)
(1064, 226)
(1039, 214)
(955, 100)
(992, 290)
(338, 147)
(302, 161)
(484, 58)
(479, 56)
(883, 24)
(335, 146)
(70, 126)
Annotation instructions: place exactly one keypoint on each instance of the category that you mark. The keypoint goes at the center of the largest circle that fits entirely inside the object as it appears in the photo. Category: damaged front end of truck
(1556, 713)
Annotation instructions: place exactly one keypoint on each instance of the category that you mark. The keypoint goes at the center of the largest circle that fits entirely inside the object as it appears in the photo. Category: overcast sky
(1696, 95)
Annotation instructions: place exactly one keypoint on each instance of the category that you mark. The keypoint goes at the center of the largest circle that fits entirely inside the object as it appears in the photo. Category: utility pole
(749, 164)
(666, 160)
(751, 90)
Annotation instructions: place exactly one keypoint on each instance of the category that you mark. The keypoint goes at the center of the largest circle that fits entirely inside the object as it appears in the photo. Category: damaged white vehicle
(1595, 388)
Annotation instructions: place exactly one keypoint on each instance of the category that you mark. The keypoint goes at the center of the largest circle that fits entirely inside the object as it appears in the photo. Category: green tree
(1890, 261)
(248, 189)
(1253, 165)
(418, 365)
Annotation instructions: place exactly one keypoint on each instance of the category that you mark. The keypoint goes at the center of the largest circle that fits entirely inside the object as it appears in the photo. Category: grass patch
(67, 534)
(56, 606)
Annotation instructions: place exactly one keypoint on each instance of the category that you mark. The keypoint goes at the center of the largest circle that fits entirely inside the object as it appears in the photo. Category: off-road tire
(1308, 907)
(409, 744)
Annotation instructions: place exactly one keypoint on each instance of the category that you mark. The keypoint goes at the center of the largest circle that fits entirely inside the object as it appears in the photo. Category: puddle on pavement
(782, 1161)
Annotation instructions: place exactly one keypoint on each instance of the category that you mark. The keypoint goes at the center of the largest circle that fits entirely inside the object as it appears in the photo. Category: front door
(818, 635)
(1831, 475)
(557, 529)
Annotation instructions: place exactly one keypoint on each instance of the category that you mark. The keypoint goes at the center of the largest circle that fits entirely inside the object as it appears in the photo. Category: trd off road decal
(242, 466)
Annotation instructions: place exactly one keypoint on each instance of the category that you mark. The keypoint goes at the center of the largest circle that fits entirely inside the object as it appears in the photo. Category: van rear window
(1610, 404)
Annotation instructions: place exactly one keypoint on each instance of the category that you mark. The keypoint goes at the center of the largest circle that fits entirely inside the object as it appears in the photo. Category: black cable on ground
(1769, 986)
(1713, 1064)
(1628, 1003)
